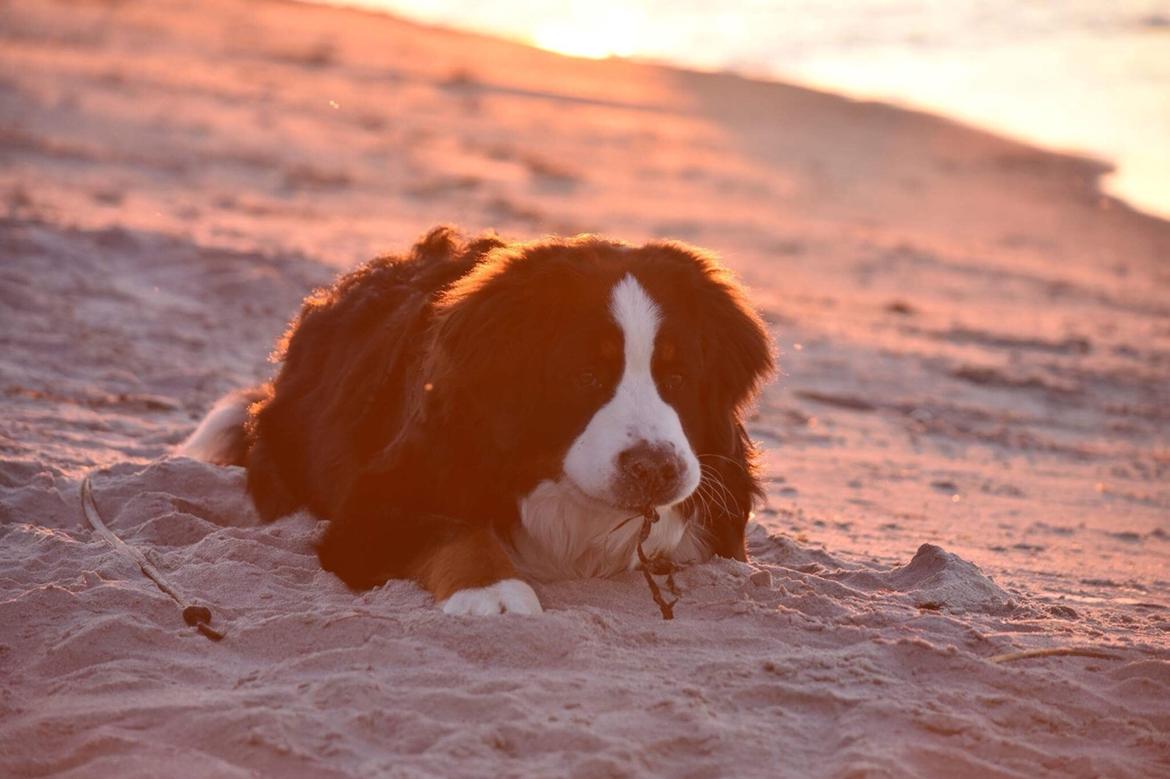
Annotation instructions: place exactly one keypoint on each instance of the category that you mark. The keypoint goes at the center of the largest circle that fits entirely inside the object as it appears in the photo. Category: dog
(477, 412)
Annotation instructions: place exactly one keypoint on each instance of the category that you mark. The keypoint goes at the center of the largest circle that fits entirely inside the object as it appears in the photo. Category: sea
(1085, 76)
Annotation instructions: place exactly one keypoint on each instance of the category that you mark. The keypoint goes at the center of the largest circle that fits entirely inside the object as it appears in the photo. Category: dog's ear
(736, 345)
(738, 355)
(732, 477)
(480, 346)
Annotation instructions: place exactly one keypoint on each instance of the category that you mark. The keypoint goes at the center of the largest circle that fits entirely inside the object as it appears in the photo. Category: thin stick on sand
(667, 609)
(1054, 651)
(198, 617)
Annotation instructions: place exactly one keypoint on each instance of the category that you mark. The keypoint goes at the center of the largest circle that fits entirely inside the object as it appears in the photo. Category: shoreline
(1124, 181)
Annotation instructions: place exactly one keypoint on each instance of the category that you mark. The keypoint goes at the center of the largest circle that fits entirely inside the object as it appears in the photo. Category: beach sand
(967, 453)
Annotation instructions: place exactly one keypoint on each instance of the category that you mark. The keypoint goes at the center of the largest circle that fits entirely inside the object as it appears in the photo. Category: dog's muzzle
(649, 475)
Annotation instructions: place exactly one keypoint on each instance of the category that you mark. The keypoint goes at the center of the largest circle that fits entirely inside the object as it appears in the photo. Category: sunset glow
(617, 32)
(1081, 76)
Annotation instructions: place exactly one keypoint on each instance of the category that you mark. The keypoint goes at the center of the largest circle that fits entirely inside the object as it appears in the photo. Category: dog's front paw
(510, 596)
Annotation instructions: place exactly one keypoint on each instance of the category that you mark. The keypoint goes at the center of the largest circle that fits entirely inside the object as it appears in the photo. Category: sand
(968, 450)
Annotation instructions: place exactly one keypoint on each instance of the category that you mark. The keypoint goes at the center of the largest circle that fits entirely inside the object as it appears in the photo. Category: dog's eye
(588, 380)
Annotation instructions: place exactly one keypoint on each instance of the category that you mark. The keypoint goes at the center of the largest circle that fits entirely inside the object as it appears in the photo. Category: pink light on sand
(1082, 76)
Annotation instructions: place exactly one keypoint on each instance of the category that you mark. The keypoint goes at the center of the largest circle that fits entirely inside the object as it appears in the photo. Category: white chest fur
(566, 535)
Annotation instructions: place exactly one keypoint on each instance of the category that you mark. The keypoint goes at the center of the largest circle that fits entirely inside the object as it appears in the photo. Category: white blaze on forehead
(636, 413)
(638, 316)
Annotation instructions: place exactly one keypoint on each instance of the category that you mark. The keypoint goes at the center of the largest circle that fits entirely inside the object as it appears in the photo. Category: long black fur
(424, 395)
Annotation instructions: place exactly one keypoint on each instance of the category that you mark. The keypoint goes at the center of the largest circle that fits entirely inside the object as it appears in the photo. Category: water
(1078, 75)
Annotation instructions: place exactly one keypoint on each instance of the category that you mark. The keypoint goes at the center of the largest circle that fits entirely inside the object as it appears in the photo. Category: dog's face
(610, 368)
(633, 453)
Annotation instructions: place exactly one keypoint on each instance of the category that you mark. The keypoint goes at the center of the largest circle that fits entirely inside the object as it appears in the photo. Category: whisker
(718, 490)
(702, 534)
(717, 483)
(736, 463)
(720, 500)
(712, 498)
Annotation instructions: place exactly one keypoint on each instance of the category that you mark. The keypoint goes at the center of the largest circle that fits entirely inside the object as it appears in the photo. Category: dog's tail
(222, 436)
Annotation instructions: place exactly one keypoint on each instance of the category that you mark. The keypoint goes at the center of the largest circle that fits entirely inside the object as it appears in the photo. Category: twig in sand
(198, 617)
(1053, 651)
(652, 566)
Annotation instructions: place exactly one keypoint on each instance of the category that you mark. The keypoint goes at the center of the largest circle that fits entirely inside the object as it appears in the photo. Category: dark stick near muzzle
(196, 616)
(649, 568)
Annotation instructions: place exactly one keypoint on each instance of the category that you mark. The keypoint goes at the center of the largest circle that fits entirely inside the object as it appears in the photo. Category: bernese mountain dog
(475, 413)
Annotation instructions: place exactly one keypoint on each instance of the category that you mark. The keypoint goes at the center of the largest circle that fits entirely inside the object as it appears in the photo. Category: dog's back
(346, 361)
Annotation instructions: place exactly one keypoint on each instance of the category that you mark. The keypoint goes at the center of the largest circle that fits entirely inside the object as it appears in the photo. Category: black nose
(650, 473)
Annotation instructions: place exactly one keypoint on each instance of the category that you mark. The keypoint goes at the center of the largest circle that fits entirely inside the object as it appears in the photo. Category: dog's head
(616, 369)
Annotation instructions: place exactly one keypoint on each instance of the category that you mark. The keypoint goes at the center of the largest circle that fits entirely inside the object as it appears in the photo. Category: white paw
(510, 596)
